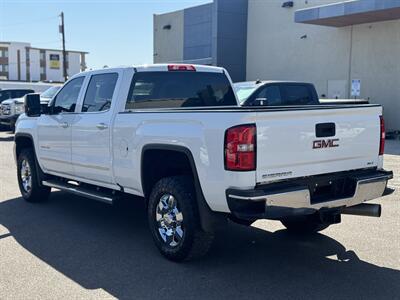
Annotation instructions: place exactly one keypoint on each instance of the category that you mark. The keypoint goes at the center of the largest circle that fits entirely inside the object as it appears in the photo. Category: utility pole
(62, 31)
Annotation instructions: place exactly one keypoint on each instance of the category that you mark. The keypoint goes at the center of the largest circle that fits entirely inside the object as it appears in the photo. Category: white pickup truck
(176, 136)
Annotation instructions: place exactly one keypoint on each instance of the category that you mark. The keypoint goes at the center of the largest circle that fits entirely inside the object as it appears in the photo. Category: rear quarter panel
(201, 132)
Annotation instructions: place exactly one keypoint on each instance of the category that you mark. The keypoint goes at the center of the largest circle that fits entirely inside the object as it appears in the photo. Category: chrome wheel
(169, 220)
(26, 176)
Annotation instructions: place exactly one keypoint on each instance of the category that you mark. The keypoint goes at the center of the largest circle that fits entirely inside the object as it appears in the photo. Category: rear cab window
(158, 89)
(283, 94)
(297, 95)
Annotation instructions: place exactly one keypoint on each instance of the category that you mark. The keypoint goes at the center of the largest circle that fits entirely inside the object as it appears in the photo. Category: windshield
(49, 93)
(4, 95)
(243, 92)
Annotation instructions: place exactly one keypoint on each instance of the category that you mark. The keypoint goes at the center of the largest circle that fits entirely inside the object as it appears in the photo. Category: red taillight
(240, 148)
(382, 139)
(181, 68)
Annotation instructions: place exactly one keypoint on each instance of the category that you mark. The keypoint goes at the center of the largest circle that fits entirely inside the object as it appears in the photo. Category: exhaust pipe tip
(364, 209)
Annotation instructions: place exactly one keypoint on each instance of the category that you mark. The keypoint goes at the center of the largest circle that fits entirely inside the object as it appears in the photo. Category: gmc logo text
(330, 143)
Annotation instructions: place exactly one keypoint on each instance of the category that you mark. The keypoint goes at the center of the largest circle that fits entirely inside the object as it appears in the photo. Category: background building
(329, 43)
(21, 62)
(211, 34)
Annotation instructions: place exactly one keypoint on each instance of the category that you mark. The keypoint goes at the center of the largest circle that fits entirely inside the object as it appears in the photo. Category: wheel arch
(24, 141)
(207, 217)
(172, 149)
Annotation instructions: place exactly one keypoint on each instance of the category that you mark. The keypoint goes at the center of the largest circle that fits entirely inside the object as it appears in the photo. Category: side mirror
(32, 105)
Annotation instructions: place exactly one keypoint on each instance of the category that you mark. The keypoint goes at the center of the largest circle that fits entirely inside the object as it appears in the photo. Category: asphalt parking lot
(74, 248)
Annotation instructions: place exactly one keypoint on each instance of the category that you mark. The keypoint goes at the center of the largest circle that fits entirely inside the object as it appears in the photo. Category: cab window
(100, 92)
(297, 95)
(270, 95)
(66, 99)
(179, 89)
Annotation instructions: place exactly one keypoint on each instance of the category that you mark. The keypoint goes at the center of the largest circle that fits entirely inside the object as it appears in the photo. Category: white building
(22, 62)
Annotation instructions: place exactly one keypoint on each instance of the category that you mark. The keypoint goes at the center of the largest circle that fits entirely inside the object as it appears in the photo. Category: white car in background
(11, 109)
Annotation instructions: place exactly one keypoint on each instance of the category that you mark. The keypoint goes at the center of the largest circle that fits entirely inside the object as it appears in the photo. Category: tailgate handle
(325, 129)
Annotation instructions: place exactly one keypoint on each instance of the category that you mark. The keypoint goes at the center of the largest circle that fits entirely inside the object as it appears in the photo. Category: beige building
(22, 62)
(328, 56)
(337, 45)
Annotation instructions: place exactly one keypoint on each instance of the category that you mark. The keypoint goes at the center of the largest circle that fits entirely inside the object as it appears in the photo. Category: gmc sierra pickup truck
(176, 136)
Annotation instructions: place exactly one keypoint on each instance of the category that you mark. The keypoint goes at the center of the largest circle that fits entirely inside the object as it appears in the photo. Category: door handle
(101, 126)
(64, 125)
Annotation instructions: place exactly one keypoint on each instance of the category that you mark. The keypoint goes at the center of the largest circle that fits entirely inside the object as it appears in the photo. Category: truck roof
(256, 83)
(156, 68)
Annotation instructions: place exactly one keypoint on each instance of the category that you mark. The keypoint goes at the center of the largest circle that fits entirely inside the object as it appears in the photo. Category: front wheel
(174, 220)
(31, 189)
(304, 224)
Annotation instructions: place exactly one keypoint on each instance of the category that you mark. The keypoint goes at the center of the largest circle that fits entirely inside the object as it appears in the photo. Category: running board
(81, 191)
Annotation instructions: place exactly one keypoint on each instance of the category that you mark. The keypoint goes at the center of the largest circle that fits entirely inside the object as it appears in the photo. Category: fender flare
(208, 219)
(39, 172)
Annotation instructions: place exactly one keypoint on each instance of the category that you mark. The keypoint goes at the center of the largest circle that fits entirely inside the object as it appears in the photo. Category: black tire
(307, 224)
(194, 242)
(36, 192)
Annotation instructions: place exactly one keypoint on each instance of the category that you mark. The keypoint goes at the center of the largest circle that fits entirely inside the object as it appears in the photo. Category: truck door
(91, 132)
(54, 129)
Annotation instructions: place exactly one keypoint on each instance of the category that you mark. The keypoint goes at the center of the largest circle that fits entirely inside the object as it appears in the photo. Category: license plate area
(332, 189)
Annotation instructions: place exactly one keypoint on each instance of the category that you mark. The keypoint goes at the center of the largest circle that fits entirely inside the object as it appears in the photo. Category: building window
(42, 55)
(4, 53)
(3, 68)
(42, 70)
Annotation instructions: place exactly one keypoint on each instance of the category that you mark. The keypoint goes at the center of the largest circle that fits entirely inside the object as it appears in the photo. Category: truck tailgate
(303, 142)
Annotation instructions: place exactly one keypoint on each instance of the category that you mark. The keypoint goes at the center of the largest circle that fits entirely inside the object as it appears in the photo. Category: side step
(87, 192)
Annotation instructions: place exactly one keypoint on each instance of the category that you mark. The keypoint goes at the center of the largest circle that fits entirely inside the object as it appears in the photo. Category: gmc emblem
(330, 143)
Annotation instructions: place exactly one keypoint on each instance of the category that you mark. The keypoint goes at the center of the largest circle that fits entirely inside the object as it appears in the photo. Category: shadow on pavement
(105, 247)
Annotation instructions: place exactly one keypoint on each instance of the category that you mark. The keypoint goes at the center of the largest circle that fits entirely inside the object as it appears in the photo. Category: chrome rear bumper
(272, 203)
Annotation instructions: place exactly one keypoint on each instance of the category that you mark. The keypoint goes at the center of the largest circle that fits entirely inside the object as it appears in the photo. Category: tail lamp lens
(240, 148)
(383, 135)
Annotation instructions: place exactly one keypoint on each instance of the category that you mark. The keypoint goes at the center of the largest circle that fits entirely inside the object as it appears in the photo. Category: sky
(114, 33)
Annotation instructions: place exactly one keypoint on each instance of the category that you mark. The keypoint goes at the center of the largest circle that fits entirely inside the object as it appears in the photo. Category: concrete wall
(230, 36)
(168, 43)
(34, 68)
(280, 49)
(376, 61)
(212, 34)
(197, 42)
(13, 49)
(74, 63)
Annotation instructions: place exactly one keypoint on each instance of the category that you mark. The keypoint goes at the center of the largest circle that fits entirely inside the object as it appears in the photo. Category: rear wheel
(174, 220)
(304, 224)
(31, 189)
